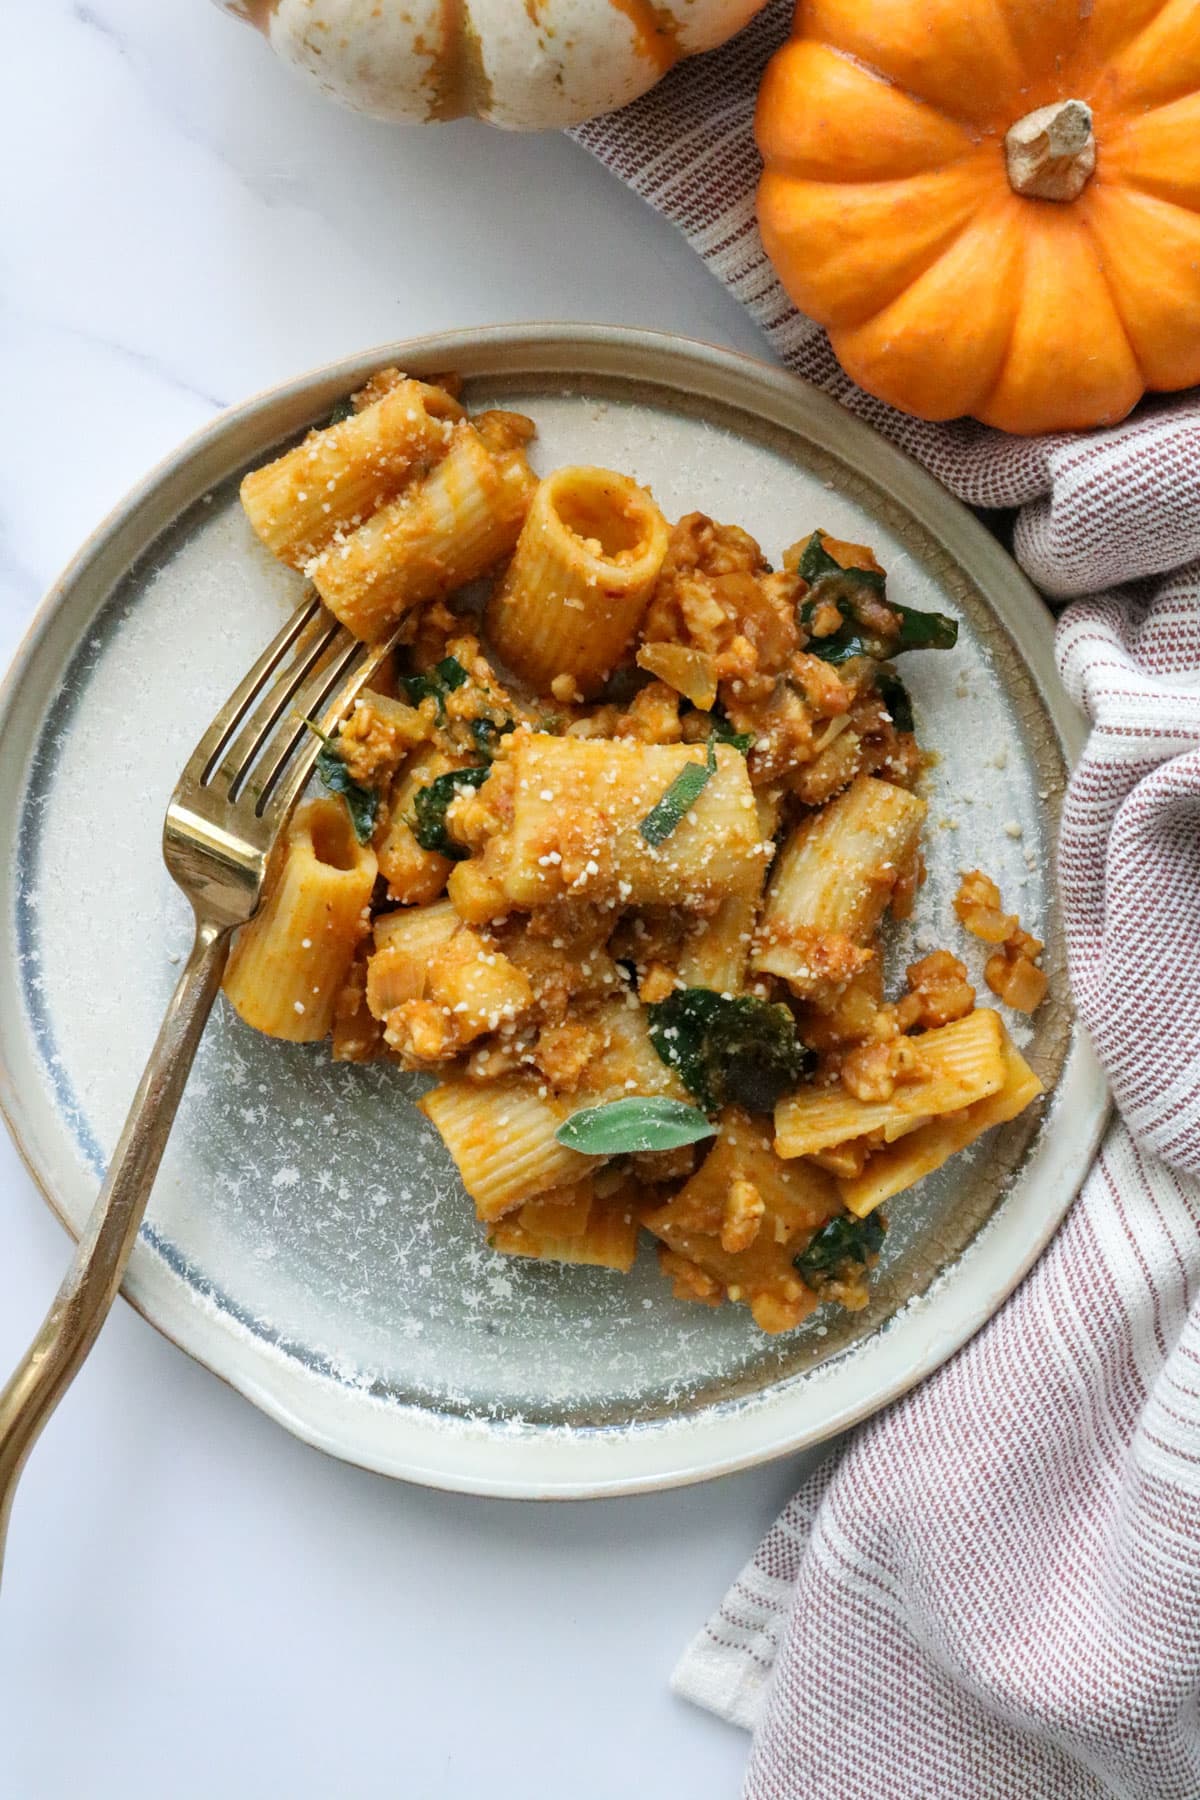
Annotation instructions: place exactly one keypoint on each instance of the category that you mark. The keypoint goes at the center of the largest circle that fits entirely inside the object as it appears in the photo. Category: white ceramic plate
(307, 1239)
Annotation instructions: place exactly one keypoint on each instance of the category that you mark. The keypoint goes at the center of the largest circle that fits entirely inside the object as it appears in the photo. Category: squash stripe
(657, 33)
(461, 82)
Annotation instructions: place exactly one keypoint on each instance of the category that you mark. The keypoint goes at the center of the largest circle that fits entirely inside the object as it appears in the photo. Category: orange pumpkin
(992, 205)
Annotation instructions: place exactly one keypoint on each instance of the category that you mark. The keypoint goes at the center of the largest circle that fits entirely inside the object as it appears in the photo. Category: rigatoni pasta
(892, 1168)
(502, 1138)
(585, 565)
(716, 951)
(948, 1069)
(289, 963)
(444, 531)
(613, 860)
(574, 1225)
(339, 476)
(832, 882)
(574, 809)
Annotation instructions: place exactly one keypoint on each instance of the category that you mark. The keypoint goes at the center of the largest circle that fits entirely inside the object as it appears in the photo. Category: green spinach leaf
(841, 1245)
(345, 409)
(362, 803)
(669, 812)
(915, 630)
(428, 823)
(924, 630)
(488, 732)
(723, 733)
(816, 563)
(729, 1051)
(435, 684)
(848, 590)
(637, 1123)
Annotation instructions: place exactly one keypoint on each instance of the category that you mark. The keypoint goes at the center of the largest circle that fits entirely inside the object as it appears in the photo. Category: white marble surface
(195, 1604)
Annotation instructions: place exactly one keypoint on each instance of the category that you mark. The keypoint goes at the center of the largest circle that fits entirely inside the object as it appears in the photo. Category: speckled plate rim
(500, 1458)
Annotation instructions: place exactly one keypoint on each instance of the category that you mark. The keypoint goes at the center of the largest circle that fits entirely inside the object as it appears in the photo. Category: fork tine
(291, 764)
(311, 652)
(320, 695)
(220, 733)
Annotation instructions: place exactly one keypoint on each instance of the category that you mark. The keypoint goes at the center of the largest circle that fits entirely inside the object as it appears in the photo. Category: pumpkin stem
(1051, 153)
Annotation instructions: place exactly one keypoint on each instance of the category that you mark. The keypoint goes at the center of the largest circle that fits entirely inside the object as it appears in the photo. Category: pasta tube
(715, 955)
(731, 1230)
(794, 1196)
(406, 942)
(574, 593)
(832, 884)
(572, 1225)
(625, 1060)
(354, 1035)
(717, 952)
(900, 1165)
(502, 1136)
(290, 962)
(562, 1213)
(574, 830)
(958, 1065)
(502, 1139)
(444, 531)
(338, 477)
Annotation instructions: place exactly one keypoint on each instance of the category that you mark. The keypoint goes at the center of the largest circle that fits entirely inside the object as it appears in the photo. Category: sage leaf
(487, 734)
(815, 562)
(345, 409)
(723, 733)
(860, 633)
(680, 797)
(637, 1123)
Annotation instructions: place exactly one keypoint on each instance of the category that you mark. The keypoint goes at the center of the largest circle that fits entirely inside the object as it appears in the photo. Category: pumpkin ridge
(911, 276)
(1123, 40)
(982, 406)
(943, 249)
(1143, 153)
(969, 127)
(1055, 248)
(848, 341)
(807, 122)
(906, 270)
(915, 43)
(1168, 96)
(1153, 379)
(1114, 294)
(1146, 185)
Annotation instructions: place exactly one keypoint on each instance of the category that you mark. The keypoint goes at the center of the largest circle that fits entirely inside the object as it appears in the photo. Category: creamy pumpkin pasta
(609, 851)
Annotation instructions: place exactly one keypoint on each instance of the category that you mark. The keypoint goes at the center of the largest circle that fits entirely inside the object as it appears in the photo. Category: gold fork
(223, 822)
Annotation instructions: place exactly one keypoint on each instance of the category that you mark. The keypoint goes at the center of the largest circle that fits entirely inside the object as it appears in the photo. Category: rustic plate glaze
(307, 1238)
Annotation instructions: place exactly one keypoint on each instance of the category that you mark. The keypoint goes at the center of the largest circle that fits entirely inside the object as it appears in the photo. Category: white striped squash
(524, 64)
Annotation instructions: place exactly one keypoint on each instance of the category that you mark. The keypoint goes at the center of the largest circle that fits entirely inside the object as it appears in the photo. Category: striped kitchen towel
(992, 1591)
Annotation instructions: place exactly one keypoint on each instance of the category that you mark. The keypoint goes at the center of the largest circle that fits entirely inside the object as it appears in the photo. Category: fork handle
(83, 1301)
